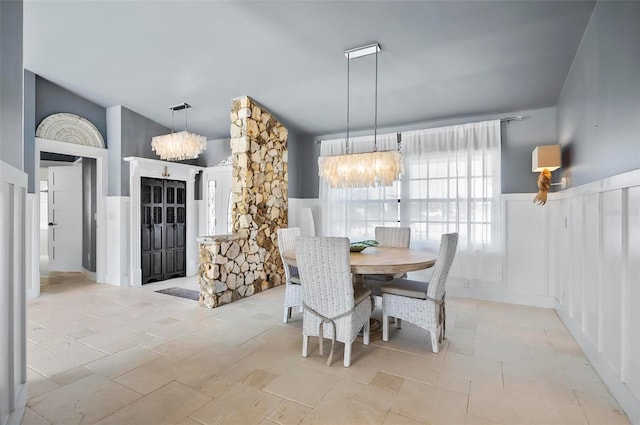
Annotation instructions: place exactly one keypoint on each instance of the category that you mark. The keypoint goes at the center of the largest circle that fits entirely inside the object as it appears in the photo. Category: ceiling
(439, 59)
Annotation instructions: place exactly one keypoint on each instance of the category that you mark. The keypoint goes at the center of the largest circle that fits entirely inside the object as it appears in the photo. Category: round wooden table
(381, 260)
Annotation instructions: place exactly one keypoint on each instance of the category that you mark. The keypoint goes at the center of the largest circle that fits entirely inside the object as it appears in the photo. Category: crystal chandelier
(362, 169)
(181, 145)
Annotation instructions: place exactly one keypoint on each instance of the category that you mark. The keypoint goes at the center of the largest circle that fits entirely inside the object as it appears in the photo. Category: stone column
(259, 185)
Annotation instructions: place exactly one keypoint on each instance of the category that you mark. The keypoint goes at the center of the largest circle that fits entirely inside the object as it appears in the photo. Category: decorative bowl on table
(360, 246)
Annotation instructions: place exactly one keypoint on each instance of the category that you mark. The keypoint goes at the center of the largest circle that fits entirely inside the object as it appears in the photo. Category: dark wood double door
(163, 229)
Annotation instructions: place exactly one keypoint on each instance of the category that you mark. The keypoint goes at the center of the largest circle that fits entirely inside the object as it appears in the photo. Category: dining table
(381, 260)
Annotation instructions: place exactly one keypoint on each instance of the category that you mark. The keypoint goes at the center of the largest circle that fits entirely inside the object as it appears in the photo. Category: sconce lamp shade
(547, 156)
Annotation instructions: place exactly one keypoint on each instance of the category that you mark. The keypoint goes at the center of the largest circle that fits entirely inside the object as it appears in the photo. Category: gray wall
(53, 99)
(599, 106)
(43, 98)
(89, 209)
(12, 229)
(519, 138)
(302, 183)
(136, 134)
(217, 150)
(114, 153)
(303, 165)
(30, 128)
(11, 84)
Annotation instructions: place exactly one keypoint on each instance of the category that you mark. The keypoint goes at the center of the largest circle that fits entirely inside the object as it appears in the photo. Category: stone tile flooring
(107, 355)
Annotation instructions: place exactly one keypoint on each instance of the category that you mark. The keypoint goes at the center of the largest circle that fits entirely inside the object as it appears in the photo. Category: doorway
(61, 209)
(162, 229)
(100, 157)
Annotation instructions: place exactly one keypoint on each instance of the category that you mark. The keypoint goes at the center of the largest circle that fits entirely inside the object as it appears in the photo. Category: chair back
(325, 271)
(307, 224)
(287, 240)
(394, 237)
(448, 246)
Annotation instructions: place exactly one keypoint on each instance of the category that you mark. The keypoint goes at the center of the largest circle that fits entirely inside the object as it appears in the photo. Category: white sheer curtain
(356, 212)
(452, 184)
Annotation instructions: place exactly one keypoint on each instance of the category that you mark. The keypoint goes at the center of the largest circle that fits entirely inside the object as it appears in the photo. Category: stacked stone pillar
(249, 262)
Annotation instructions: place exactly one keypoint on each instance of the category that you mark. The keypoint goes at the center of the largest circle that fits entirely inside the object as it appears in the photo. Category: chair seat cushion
(406, 288)
(296, 280)
(360, 293)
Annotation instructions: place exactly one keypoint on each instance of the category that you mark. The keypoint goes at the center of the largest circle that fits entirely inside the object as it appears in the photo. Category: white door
(65, 218)
(218, 197)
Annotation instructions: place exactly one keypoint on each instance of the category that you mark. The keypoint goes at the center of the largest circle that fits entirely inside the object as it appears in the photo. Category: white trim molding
(13, 274)
(101, 157)
(144, 167)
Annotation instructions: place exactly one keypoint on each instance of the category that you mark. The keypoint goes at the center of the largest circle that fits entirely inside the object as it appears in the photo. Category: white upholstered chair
(421, 303)
(293, 289)
(394, 237)
(332, 307)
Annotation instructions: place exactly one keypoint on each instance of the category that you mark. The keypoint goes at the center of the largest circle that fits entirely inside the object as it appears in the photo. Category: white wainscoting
(32, 240)
(118, 240)
(525, 260)
(13, 369)
(579, 254)
(594, 268)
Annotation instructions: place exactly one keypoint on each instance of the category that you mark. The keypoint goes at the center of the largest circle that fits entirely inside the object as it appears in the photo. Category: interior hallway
(110, 355)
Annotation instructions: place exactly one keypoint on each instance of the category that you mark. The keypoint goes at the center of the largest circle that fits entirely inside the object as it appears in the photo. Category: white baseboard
(89, 274)
(15, 417)
(501, 296)
(629, 403)
(113, 280)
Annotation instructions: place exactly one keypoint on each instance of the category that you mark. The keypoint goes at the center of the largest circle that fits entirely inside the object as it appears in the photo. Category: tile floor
(106, 355)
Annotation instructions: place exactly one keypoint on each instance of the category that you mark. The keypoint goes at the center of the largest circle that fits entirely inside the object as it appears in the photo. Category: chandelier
(181, 145)
(362, 169)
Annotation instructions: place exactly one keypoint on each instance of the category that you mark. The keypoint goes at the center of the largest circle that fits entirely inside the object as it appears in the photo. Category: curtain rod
(516, 118)
(506, 119)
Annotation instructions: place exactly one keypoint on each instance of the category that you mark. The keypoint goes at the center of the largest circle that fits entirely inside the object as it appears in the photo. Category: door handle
(50, 224)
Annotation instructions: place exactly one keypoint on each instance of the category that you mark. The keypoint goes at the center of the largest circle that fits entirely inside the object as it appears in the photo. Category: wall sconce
(544, 160)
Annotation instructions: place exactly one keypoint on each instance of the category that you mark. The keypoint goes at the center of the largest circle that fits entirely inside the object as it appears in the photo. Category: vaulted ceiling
(439, 59)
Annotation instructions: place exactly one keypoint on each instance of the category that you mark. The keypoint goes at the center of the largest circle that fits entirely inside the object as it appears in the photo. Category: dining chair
(333, 308)
(421, 303)
(394, 237)
(293, 289)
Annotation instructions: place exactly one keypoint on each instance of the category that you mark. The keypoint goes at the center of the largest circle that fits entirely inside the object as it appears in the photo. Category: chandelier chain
(375, 114)
(348, 95)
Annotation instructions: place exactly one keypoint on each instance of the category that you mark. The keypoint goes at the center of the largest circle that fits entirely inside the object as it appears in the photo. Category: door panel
(180, 235)
(170, 266)
(163, 229)
(65, 212)
(180, 259)
(157, 264)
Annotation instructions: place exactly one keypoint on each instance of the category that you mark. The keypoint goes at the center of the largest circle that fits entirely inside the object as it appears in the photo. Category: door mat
(181, 292)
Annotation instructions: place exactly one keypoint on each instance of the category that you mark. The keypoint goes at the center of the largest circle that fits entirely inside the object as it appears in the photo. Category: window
(211, 207)
(451, 184)
(357, 212)
(448, 194)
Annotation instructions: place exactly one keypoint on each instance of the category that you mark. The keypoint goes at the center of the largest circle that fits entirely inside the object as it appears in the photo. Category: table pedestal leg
(374, 324)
